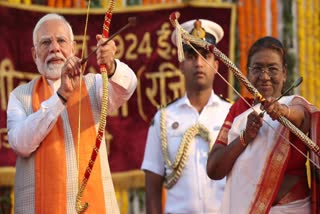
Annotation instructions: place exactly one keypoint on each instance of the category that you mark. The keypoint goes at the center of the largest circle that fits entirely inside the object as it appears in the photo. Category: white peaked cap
(209, 26)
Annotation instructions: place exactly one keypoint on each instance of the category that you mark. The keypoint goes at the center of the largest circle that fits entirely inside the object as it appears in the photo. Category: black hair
(267, 42)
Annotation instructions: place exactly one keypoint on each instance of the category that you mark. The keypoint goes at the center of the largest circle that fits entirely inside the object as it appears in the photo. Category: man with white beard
(52, 147)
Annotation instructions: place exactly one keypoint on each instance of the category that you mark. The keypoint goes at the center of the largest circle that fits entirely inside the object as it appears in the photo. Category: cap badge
(198, 31)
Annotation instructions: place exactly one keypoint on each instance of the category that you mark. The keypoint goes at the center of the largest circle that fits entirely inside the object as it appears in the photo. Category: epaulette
(225, 98)
(159, 107)
(169, 103)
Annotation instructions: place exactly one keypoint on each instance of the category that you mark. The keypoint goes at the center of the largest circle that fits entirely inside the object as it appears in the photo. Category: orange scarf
(50, 157)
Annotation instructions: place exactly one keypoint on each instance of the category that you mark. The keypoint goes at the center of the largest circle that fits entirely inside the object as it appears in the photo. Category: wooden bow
(210, 47)
(103, 117)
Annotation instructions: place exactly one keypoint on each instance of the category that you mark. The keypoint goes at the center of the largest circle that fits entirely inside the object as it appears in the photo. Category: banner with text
(146, 48)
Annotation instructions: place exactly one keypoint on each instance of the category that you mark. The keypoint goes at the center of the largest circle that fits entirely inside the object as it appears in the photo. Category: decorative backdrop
(146, 48)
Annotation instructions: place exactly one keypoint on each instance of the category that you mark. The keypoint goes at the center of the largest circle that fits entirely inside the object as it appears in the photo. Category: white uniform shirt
(194, 192)
(27, 132)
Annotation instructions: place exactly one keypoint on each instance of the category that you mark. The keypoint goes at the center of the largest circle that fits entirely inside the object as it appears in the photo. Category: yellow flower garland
(309, 56)
(309, 48)
(182, 154)
(301, 39)
(316, 16)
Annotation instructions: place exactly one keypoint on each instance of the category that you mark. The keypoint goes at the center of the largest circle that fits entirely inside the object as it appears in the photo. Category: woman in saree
(264, 163)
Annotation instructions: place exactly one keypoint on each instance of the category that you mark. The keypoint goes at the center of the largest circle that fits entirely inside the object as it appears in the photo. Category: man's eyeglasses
(271, 71)
(47, 42)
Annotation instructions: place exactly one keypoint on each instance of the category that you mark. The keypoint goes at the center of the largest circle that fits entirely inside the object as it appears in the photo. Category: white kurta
(194, 192)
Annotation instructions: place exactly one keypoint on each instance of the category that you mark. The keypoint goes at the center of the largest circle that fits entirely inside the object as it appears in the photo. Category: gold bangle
(242, 141)
(289, 112)
(287, 115)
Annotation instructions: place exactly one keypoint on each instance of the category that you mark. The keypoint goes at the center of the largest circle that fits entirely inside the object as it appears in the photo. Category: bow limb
(103, 118)
(79, 207)
(210, 47)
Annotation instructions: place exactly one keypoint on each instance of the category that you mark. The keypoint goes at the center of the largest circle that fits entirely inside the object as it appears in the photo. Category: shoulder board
(164, 106)
(225, 98)
(161, 107)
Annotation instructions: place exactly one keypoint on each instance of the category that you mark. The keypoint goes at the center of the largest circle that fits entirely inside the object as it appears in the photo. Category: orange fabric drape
(256, 20)
(67, 3)
(252, 25)
(243, 40)
(50, 157)
(263, 18)
(274, 19)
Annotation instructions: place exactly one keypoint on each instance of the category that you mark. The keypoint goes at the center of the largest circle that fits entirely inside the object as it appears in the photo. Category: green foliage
(5, 200)
(95, 4)
(288, 37)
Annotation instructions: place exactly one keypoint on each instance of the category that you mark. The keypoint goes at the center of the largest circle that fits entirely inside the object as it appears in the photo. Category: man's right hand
(70, 77)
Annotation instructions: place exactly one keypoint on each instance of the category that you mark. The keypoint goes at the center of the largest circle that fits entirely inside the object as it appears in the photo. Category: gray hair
(50, 16)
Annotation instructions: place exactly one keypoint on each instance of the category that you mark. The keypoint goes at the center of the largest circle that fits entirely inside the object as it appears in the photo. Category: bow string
(80, 208)
(187, 38)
